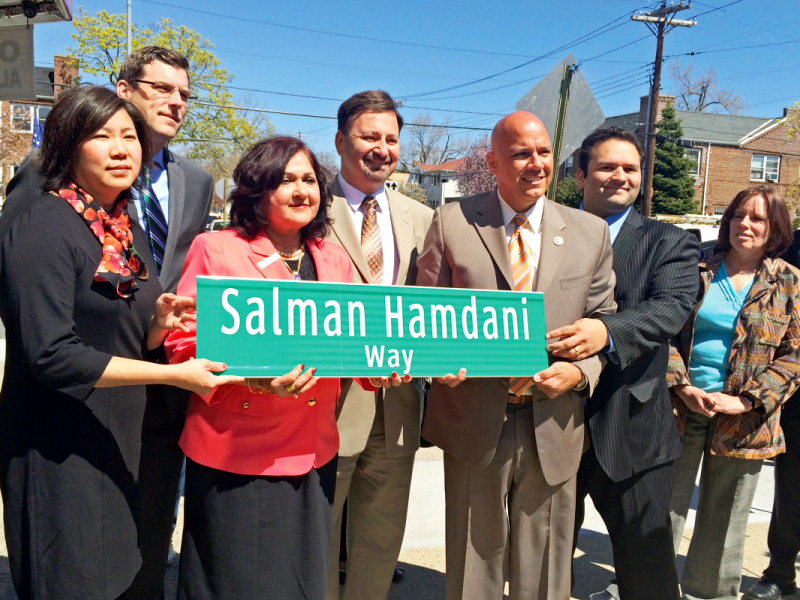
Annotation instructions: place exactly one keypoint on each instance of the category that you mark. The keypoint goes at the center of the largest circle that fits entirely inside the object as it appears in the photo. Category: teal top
(713, 332)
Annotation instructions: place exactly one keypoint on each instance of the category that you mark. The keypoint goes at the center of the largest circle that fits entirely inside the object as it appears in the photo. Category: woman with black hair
(77, 297)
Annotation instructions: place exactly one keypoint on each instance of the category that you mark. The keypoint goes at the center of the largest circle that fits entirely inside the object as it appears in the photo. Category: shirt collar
(159, 160)
(533, 214)
(614, 222)
(355, 197)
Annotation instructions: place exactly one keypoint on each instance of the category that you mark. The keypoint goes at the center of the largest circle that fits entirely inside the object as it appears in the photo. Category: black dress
(68, 452)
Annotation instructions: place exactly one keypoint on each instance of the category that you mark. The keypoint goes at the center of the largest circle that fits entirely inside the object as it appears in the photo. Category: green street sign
(264, 328)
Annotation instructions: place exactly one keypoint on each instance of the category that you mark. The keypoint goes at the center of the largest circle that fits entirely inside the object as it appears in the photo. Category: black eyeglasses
(165, 90)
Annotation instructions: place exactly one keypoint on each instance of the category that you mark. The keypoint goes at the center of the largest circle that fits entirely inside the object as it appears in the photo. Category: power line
(332, 33)
(591, 35)
(312, 116)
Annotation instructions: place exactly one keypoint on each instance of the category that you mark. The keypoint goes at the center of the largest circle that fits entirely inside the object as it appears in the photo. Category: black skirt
(249, 536)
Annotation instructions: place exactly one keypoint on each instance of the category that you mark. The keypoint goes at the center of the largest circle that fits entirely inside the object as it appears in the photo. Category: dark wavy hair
(76, 116)
(779, 227)
(604, 134)
(259, 172)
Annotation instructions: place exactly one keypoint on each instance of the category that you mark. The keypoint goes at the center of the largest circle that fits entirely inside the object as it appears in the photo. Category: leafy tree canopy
(213, 130)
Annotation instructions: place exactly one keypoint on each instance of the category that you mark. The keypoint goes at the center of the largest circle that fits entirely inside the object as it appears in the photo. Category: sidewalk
(423, 547)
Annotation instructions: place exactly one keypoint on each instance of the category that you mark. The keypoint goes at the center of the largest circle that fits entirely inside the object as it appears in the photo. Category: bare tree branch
(699, 92)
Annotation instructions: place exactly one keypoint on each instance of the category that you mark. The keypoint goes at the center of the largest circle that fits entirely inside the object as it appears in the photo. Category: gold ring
(575, 351)
(290, 388)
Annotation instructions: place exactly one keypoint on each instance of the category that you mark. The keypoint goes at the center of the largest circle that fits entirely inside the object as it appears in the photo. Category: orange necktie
(522, 271)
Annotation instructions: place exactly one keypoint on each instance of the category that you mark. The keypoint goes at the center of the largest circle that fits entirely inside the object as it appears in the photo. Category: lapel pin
(558, 240)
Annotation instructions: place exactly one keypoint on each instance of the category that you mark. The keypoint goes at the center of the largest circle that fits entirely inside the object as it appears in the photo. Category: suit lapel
(491, 229)
(345, 232)
(404, 243)
(627, 238)
(177, 195)
(552, 250)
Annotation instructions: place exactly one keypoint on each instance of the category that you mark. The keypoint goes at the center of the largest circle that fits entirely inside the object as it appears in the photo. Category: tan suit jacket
(466, 247)
(402, 407)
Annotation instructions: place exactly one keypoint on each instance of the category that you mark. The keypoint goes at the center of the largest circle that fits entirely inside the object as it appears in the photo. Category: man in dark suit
(156, 81)
(634, 441)
(378, 431)
(783, 539)
(512, 446)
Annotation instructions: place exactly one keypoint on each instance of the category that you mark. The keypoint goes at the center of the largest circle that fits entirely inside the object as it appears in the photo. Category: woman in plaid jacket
(734, 363)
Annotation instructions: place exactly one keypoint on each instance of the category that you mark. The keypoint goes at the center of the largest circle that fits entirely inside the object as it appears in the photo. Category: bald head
(521, 159)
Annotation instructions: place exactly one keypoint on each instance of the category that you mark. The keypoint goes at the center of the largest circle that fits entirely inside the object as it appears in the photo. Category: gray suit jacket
(402, 407)
(466, 247)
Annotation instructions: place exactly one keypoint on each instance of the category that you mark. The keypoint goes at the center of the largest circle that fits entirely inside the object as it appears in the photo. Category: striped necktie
(156, 223)
(522, 271)
(371, 239)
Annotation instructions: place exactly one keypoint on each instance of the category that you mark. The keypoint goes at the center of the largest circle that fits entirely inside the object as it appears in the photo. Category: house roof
(450, 165)
(725, 130)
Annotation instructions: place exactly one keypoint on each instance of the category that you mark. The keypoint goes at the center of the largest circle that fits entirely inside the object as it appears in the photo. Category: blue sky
(416, 49)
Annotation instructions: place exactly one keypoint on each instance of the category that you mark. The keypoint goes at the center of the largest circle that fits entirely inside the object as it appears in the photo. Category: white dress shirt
(354, 197)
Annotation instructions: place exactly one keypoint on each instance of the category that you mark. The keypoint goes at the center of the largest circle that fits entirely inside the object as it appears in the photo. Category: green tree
(214, 129)
(673, 187)
(568, 192)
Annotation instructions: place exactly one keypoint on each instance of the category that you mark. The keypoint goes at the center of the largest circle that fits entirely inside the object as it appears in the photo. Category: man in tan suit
(383, 232)
(510, 458)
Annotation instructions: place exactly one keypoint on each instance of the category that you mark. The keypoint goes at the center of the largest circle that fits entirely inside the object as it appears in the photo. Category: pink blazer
(234, 430)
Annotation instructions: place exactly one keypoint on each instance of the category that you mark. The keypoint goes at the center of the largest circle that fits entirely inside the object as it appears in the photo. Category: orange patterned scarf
(121, 265)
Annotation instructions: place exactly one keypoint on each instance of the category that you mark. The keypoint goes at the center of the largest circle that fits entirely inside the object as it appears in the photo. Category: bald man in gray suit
(510, 459)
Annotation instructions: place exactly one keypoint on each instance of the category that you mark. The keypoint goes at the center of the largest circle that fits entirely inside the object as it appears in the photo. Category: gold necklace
(294, 256)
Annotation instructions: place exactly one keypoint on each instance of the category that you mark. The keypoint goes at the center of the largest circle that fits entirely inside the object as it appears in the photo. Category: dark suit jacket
(466, 247)
(630, 418)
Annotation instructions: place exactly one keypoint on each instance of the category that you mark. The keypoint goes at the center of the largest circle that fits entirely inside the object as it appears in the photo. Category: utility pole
(561, 116)
(660, 22)
(129, 28)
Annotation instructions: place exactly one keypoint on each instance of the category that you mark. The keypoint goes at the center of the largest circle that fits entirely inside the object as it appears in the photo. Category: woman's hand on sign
(453, 380)
(392, 381)
(295, 382)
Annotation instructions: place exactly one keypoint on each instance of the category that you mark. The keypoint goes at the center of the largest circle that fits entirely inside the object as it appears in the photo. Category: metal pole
(651, 122)
(129, 27)
(558, 133)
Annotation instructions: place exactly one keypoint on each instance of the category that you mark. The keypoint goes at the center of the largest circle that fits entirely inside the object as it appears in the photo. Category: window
(719, 211)
(693, 154)
(569, 166)
(22, 117)
(764, 167)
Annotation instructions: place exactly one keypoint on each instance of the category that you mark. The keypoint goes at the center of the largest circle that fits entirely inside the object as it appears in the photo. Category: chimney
(65, 72)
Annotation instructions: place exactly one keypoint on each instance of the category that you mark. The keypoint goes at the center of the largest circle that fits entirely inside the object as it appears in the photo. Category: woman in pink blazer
(261, 466)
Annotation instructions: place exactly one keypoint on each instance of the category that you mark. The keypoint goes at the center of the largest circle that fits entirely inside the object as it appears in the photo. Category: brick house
(728, 152)
(17, 117)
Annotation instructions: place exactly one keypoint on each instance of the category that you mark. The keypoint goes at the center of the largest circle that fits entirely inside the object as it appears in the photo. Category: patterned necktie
(371, 239)
(522, 271)
(156, 223)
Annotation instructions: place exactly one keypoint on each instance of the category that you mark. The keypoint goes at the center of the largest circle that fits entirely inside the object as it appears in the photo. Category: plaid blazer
(764, 362)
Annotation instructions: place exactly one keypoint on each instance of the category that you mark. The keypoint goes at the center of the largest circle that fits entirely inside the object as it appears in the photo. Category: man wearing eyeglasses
(156, 81)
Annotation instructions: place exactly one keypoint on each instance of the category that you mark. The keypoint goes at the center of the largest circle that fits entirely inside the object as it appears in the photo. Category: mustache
(372, 157)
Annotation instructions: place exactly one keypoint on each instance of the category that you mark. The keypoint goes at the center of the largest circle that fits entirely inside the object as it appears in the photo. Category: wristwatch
(582, 383)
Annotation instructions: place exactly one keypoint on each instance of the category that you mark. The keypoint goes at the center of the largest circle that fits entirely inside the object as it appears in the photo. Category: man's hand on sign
(392, 381)
(453, 380)
(558, 378)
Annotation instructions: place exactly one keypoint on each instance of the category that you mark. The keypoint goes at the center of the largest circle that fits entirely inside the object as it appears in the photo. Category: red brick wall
(729, 169)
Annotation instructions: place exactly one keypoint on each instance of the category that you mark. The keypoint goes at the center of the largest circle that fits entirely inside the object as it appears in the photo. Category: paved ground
(423, 548)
